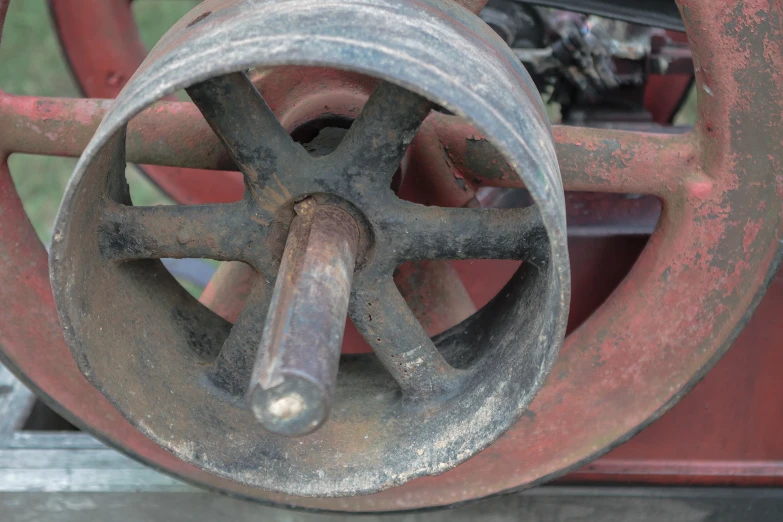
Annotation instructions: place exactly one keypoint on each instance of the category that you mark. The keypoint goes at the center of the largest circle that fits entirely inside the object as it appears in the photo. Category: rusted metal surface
(442, 169)
(62, 127)
(102, 43)
(726, 431)
(435, 293)
(228, 290)
(104, 48)
(294, 376)
(595, 160)
(445, 399)
(705, 265)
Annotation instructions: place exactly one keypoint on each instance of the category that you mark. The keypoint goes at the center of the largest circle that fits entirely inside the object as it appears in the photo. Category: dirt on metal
(706, 267)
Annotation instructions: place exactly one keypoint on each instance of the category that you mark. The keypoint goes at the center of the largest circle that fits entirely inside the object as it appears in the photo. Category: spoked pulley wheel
(325, 217)
(258, 409)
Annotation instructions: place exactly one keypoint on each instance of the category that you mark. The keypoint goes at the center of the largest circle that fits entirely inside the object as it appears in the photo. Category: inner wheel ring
(726, 40)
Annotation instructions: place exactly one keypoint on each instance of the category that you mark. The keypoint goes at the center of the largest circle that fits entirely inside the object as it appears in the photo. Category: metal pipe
(294, 376)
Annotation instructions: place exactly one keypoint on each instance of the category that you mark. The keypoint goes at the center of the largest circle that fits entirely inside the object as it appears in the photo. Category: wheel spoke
(598, 160)
(228, 290)
(234, 364)
(225, 232)
(467, 233)
(434, 293)
(167, 133)
(250, 131)
(384, 319)
(591, 160)
(375, 144)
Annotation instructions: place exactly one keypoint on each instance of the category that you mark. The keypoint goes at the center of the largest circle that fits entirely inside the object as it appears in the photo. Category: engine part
(519, 25)
(584, 61)
(656, 13)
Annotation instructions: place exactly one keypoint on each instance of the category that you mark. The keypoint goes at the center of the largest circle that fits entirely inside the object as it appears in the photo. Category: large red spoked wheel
(704, 268)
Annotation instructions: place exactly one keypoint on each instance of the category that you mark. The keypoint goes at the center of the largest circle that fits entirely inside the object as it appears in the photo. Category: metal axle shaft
(294, 376)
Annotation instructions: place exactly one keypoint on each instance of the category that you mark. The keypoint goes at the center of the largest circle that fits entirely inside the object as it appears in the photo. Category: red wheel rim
(103, 48)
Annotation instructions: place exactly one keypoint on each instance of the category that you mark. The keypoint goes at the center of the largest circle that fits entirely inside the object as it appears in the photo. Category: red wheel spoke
(598, 160)
(224, 232)
(435, 294)
(228, 290)
(399, 341)
(168, 133)
(591, 160)
(737, 89)
(174, 134)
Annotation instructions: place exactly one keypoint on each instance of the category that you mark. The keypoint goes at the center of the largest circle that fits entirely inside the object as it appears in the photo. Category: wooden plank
(16, 401)
(65, 459)
(555, 505)
(54, 440)
(130, 480)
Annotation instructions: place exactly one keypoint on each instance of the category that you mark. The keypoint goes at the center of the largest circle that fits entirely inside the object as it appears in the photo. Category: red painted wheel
(694, 285)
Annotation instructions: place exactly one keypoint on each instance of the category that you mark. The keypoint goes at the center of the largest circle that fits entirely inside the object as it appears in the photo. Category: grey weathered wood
(16, 401)
(548, 504)
(65, 459)
(54, 440)
(70, 480)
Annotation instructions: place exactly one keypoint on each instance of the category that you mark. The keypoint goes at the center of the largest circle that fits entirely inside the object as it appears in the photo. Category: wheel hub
(323, 232)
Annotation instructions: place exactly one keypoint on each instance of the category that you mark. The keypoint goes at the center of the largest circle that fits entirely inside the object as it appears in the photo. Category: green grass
(31, 63)
(687, 114)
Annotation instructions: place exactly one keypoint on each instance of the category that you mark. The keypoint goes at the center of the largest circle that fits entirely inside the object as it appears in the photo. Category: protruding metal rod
(293, 380)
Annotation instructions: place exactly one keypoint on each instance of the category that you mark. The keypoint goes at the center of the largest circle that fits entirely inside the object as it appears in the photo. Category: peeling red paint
(717, 243)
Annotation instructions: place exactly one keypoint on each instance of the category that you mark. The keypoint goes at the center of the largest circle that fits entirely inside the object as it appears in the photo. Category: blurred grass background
(31, 63)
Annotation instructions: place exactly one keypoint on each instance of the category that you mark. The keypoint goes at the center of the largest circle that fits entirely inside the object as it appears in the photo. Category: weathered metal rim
(153, 81)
